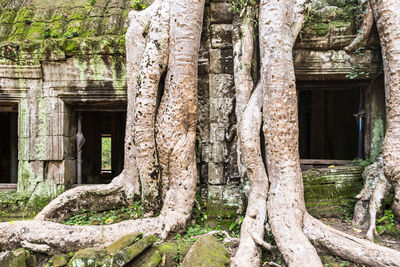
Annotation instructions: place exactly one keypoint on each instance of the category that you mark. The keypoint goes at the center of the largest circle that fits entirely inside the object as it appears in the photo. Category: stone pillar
(117, 142)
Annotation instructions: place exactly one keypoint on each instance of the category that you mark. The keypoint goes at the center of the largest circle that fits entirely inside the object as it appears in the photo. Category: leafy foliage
(140, 4)
(85, 217)
(386, 224)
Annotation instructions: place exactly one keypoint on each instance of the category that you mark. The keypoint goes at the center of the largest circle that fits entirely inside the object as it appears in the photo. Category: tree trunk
(286, 206)
(387, 17)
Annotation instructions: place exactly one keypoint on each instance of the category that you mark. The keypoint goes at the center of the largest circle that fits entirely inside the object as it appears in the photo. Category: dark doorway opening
(327, 125)
(8, 144)
(103, 150)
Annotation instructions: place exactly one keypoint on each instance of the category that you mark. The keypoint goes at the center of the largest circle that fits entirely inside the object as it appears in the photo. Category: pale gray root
(285, 204)
(136, 39)
(370, 176)
(145, 93)
(348, 247)
(41, 248)
(252, 228)
(243, 49)
(387, 17)
(370, 198)
(64, 238)
(382, 187)
(249, 119)
(364, 31)
(89, 197)
(177, 115)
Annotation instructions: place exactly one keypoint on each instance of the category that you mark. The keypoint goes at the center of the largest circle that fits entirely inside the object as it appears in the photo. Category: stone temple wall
(57, 55)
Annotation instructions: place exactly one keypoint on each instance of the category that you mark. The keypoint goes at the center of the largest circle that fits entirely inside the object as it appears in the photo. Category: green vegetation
(386, 224)
(361, 162)
(356, 70)
(106, 153)
(140, 4)
(238, 6)
(85, 217)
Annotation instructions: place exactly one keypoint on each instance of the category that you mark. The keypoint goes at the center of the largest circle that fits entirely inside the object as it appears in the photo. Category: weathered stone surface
(123, 242)
(88, 257)
(16, 258)
(221, 85)
(221, 36)
(221, 61)
(129, 253)
(332, 191)
(166, 253)
(207, 252)
(59, 260)
(221, 12)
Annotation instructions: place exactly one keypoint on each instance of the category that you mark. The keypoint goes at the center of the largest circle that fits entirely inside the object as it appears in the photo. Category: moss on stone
(7, 16)
(37, 31)
(129, 253)
(59, 260)
(88, 257)
(25, 15)
(123, 242)
(78, 13)
(207, 252)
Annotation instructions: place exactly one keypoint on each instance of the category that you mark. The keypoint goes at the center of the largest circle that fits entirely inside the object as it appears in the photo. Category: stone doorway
(8, 146)
(103, 150)
(328, 129)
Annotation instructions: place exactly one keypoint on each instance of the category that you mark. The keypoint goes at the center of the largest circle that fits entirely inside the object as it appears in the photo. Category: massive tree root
(348, 247)
(370, 198)
(387, 17)
(295, 231)
(249, 119)
(160, 164)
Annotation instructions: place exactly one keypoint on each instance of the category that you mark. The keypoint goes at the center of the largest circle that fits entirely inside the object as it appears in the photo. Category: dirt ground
(345, 225)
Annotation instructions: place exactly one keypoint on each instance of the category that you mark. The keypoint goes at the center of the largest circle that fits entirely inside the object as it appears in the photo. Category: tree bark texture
(387, 17)
(285, 204)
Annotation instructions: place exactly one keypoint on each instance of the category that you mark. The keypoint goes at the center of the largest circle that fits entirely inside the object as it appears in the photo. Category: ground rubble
(133, 249)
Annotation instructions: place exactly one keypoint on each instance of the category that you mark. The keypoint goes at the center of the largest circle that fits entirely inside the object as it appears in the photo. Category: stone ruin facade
(62, 62)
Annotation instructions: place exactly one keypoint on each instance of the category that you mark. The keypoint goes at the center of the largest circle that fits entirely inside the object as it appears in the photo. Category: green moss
(37, 31)
(7, 16)
(71, 46)
(207, 252)
(129, 253)
(56, 29)
(123, 242)
(25, 15)
(19, 31)
(78, 14)
(38, 202)
(59, 260)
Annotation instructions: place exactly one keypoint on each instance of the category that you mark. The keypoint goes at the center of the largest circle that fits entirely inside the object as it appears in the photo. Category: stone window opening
(329, 130)
(8, 146)
(106, 156)
(102, 155)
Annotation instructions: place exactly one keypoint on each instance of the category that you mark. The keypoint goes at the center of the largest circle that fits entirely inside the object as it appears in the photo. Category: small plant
(239, 6)
(235, 226)
(139, 4)
(386, 224)
(361, 162)
(71, 34)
